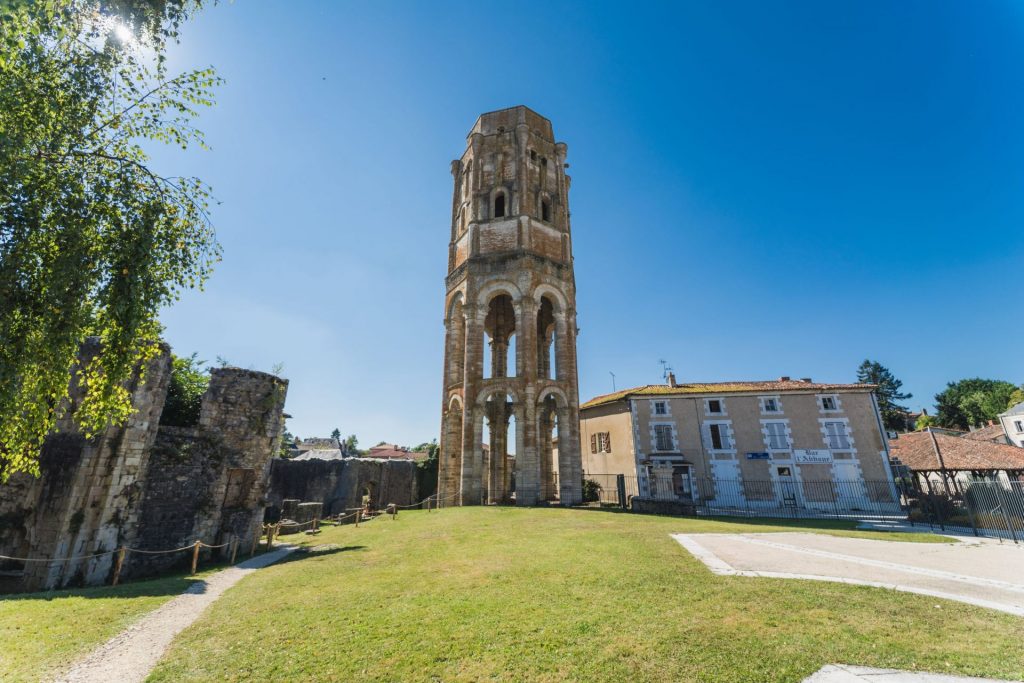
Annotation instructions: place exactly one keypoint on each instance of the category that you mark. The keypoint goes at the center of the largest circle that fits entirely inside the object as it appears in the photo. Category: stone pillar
(472, 421)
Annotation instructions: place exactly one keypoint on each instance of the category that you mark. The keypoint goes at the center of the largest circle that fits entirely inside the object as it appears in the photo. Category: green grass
(502, 594)
(45, 632)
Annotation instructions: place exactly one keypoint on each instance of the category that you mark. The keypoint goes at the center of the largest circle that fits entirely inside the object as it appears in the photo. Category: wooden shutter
(593, 443)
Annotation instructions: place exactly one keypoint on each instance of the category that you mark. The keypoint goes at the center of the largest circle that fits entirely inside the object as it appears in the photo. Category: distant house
(392, 451)
(1013, 424)
(941, 461)
(316, 448)
(993, 432)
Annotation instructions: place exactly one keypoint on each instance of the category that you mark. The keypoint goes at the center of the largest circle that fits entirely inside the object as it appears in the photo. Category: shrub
(185, 395)
(591, 491)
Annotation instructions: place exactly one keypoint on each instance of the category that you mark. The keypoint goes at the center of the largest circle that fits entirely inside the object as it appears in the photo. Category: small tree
(888, 393)
(336, 435)
(924, 422)
(189, 382)
(94, 240)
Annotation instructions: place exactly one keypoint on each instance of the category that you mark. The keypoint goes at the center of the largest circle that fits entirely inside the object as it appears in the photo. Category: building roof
(391, 451)
(989, 433)
(1015, 410)
(918, 452)
(715, 388)
(321, 454)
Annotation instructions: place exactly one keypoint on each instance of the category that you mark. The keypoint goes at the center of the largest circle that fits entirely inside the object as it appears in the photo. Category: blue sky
(759, 189)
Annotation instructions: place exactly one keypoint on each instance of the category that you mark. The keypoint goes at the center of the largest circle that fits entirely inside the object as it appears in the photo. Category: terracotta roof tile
(989, 433)
(712, 388)
(917, 451)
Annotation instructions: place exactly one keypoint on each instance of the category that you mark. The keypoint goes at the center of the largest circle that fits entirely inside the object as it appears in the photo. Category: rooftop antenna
(613, 380)
(665, 368)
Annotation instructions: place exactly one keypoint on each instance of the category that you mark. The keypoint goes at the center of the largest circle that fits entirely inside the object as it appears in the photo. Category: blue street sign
(759, 456)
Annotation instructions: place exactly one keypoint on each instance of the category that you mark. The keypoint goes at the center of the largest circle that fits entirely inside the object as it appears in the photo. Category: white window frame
(845, 435)
(671, 437)
(837, 404)
(721, 404)
(604, 442)
(786, 434)
(763, 401)
(730, 435)
(1019, 426)
(654, 408)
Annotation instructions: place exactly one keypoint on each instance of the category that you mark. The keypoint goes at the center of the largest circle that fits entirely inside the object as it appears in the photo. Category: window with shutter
(837, 437)
(720, 437)
(593, 443)
(777, 438)
(604, 442)
(663, 437)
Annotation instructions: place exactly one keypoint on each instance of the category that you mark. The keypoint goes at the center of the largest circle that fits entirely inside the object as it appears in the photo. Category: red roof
(390, 451)
(989, 433)
(918, 452)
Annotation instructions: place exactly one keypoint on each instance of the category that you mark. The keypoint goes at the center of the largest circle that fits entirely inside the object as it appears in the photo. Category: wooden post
(195, 557)
(256, 540)
(316, 523)
(118, 564)
(358, 515)
(234, 548)
(270, 537)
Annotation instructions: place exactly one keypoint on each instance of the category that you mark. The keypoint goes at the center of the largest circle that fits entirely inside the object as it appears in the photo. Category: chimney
(671, 379)
(784, 378)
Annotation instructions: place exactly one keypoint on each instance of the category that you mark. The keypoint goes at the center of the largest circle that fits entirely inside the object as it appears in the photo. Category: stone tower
(510, 321)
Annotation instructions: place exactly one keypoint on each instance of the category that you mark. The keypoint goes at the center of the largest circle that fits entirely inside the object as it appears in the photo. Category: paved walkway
(129, 656)
(842, 673)
(981, 572)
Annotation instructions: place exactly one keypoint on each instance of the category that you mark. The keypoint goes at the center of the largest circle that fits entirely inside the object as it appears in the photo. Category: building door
(787, 486)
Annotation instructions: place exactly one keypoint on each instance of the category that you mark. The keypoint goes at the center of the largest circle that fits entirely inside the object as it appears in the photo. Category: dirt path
(129, 656)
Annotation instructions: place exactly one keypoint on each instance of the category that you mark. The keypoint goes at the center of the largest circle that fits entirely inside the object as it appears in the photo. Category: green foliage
(925, 421)
(888, 393)
(1016, 397)
(352, 444)
(972, 402)
(591, 491)
(287, 445)
(189, 382)
(426, 470)
(93, 241)
(336, 435)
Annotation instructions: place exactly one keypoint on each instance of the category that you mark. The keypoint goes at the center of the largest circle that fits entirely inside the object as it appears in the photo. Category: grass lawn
(503, 594)
(42, 633)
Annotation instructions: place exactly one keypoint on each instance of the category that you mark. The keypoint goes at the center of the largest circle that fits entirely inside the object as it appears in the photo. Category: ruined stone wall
(143, 486)
(340, 484)
(86, 500)
(208, 483)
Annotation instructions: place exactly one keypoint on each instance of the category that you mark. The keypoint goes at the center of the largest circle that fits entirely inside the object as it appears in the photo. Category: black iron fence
(984, 508)
(981, 508)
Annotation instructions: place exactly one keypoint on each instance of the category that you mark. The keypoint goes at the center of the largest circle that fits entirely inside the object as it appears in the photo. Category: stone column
(528, 480)
(570, 468)
(472, 422)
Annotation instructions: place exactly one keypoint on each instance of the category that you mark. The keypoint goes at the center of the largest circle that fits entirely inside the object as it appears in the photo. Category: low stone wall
(652, 506)
(340, 484)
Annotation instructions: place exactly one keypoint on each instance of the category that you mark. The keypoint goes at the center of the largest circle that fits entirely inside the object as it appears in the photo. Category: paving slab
(843, 673)
(988, 574)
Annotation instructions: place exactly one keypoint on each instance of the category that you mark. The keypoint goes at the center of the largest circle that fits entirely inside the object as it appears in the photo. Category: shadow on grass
(173, 585)
(318, 551)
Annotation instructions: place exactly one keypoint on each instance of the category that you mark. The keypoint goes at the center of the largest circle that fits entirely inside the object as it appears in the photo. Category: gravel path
(129, 656)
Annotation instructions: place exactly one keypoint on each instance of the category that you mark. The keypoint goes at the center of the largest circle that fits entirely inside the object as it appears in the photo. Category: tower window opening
(533, 155)
(543, 161)
(545, 210)
(499, 205)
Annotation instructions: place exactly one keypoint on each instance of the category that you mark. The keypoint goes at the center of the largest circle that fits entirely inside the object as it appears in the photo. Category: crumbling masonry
(143, 485)
(510, 284)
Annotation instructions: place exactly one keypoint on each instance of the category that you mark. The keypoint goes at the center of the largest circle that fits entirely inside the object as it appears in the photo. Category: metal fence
(981, 508)
(792, 498)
